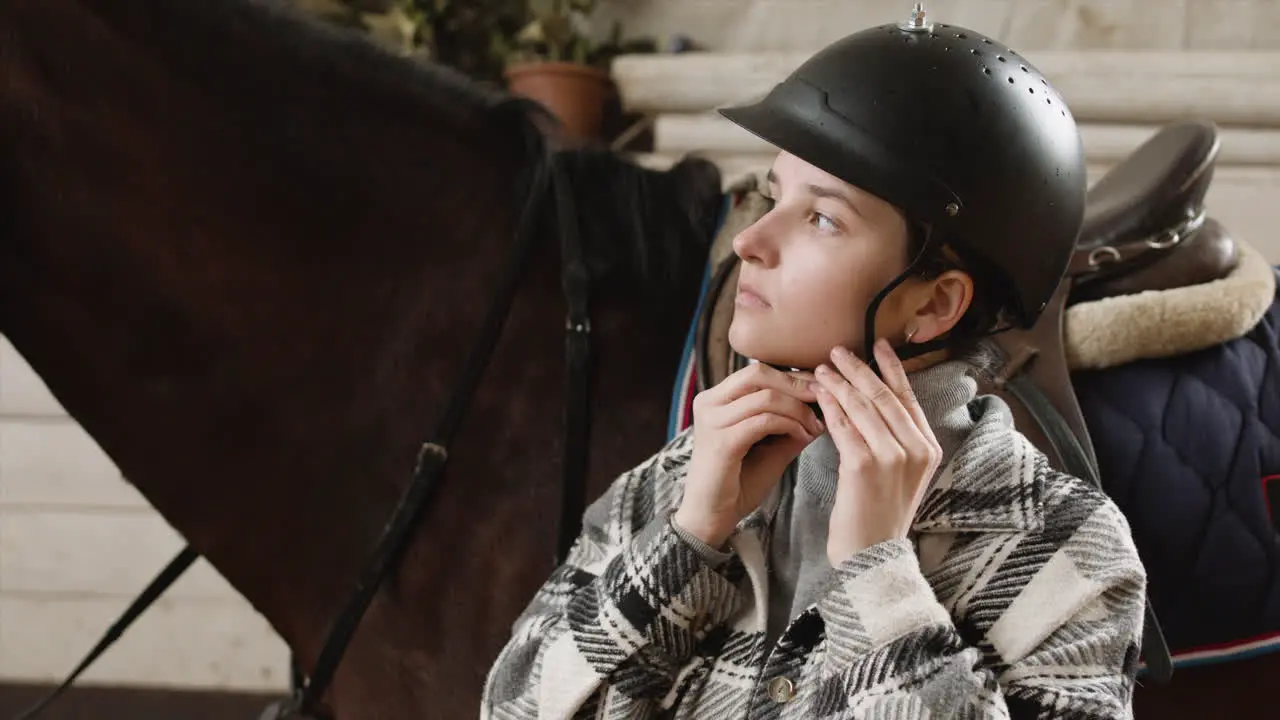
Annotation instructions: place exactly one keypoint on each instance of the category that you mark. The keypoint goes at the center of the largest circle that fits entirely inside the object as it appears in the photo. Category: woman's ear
(939, 304)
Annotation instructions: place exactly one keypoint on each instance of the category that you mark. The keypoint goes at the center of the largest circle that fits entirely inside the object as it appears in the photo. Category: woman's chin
(769, 350)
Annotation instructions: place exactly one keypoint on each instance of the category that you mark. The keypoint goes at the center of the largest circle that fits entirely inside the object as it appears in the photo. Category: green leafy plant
(473, 36)
(558, 31)
(482, 37)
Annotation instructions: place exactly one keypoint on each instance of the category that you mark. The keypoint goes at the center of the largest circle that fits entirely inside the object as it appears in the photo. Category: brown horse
(248, 254)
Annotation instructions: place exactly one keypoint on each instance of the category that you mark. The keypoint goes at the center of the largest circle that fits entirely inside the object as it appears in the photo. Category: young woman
(905, 553)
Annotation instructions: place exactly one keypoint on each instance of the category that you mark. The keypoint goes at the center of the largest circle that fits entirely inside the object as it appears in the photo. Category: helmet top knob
(917, 22)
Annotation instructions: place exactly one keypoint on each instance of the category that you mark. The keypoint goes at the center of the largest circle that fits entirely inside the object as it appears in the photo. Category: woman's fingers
(896, 379)
(880, 396)
(759, 376)
(753, 429)
(767, 400)
(870, 425)
(849, 442)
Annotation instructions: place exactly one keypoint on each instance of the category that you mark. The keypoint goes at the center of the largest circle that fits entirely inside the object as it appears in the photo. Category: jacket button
(699, 623)
(781, 689)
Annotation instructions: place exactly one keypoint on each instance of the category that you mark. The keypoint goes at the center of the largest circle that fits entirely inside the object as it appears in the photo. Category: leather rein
(304, 702)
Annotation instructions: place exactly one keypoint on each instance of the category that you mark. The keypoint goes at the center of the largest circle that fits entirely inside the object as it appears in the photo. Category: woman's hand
(745, 431)
(888, 452)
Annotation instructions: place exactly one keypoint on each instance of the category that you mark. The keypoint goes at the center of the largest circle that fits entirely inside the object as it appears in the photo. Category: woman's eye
(819, 219)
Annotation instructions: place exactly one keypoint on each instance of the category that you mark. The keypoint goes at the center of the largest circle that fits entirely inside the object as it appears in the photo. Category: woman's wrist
(705, 530)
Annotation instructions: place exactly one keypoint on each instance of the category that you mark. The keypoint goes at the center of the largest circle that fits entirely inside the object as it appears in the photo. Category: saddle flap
(1036, 356)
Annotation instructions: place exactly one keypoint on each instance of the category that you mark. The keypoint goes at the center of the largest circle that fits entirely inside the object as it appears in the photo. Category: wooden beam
(1145, 86)
(680, 133)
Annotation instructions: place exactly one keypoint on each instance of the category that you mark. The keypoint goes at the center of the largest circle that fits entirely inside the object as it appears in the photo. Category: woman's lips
(748, 297)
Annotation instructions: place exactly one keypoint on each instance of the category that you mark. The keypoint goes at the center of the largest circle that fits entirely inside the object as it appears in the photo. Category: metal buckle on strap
(1104, 256)
(279, 710)
(288, 709)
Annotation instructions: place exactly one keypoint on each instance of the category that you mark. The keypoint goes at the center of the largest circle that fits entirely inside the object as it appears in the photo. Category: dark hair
(991, 296)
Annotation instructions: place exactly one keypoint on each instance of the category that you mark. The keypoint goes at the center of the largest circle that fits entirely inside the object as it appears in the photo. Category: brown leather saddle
(1145, 229)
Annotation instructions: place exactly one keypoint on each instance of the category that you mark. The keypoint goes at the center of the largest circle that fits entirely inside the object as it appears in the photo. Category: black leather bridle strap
(431, 461)
(575, 281)
(170, 573)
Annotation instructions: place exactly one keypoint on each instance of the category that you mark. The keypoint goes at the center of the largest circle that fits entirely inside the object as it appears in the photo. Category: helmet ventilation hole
(1002, 54)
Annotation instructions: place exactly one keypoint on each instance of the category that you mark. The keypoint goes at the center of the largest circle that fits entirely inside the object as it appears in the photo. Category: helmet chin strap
(907, 349)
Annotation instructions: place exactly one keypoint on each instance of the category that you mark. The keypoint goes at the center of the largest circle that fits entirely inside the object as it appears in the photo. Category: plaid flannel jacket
(1020, 595)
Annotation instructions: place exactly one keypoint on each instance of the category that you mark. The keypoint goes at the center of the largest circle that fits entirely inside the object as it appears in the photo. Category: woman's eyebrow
(823, 191)
(819, 191)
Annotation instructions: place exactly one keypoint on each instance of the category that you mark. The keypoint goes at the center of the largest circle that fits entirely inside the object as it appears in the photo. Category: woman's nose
(756, 243)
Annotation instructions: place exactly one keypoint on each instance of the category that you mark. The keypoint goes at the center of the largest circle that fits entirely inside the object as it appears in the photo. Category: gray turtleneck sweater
(798, 541)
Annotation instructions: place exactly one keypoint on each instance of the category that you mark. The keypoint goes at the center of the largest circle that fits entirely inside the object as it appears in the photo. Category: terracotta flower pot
(575, 94)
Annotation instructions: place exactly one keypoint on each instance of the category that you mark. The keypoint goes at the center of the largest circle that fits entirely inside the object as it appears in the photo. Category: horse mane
(256, 43)
(621, 217)
(254, 38)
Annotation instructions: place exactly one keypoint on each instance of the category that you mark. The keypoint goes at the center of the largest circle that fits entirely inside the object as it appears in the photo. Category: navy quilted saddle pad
(1189, 447)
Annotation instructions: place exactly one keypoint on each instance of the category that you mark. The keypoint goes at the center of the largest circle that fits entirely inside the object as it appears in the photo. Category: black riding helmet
(959, 132)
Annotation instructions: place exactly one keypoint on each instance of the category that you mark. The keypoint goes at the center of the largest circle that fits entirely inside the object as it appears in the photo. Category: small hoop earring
(910, 334)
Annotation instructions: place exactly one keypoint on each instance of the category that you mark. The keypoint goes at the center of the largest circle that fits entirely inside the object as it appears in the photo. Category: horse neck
(255, 319)
(257, 301)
